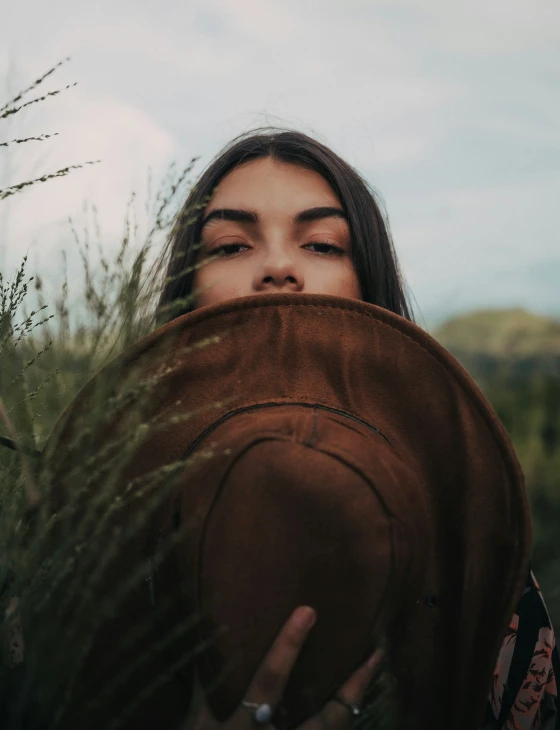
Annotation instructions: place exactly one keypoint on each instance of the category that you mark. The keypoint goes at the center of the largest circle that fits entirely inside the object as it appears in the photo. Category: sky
(451, 111)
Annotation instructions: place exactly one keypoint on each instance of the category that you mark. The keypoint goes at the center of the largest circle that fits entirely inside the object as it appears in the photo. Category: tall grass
(61, 516)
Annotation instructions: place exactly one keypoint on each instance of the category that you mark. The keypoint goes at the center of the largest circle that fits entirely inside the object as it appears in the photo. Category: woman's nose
(281, 272)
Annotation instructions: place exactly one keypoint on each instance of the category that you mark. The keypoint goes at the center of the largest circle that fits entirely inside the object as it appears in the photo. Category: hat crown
(298, 508)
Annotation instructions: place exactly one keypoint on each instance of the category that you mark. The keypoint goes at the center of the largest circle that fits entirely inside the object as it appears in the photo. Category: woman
(280, 212)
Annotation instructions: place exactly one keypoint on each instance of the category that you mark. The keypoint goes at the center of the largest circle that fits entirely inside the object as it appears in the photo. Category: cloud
(491, 29)
(495, 245)
(126, 140)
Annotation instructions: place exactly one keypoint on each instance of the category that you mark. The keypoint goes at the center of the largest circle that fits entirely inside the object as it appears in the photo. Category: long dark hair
(373, 254)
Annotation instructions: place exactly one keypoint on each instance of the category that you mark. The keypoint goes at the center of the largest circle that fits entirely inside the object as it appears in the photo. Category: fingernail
(374, 659)
(304, 617)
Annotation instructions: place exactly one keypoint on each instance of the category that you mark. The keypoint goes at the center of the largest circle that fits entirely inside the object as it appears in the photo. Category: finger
(271, 678)
(203, 720)
(199, 716)
(338, 715)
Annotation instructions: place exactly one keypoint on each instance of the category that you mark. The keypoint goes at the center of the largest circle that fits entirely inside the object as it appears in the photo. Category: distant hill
(502, 332)
(519, 341)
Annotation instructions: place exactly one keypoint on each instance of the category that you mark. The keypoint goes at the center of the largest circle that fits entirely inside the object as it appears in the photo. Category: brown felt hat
(356, 469)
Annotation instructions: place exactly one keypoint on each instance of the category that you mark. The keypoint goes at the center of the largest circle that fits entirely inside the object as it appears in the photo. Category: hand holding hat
(271, 679)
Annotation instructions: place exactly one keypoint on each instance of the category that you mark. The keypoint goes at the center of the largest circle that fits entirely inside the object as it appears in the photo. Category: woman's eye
(227, 246)
(230, 249)
(334, 249)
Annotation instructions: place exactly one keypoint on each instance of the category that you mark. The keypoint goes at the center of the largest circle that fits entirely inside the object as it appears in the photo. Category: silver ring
(354, 709)
(261, 714)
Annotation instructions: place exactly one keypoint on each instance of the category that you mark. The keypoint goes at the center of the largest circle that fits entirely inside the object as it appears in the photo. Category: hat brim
(368, 363)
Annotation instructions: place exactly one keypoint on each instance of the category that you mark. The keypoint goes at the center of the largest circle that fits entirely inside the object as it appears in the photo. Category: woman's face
(277, 228)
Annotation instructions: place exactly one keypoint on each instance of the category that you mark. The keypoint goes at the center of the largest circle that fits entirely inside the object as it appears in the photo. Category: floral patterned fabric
(524, 688)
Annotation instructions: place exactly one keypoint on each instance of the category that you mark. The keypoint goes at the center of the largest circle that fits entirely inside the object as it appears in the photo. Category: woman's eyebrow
(238, 215)
(231, 214)
(316, 214)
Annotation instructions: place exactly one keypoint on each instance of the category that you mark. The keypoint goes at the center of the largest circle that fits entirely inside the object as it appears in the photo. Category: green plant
(53, 561)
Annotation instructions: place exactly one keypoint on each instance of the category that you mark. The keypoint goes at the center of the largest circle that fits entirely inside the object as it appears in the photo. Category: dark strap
(532, 617)
(556, 668)
(14, 446)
